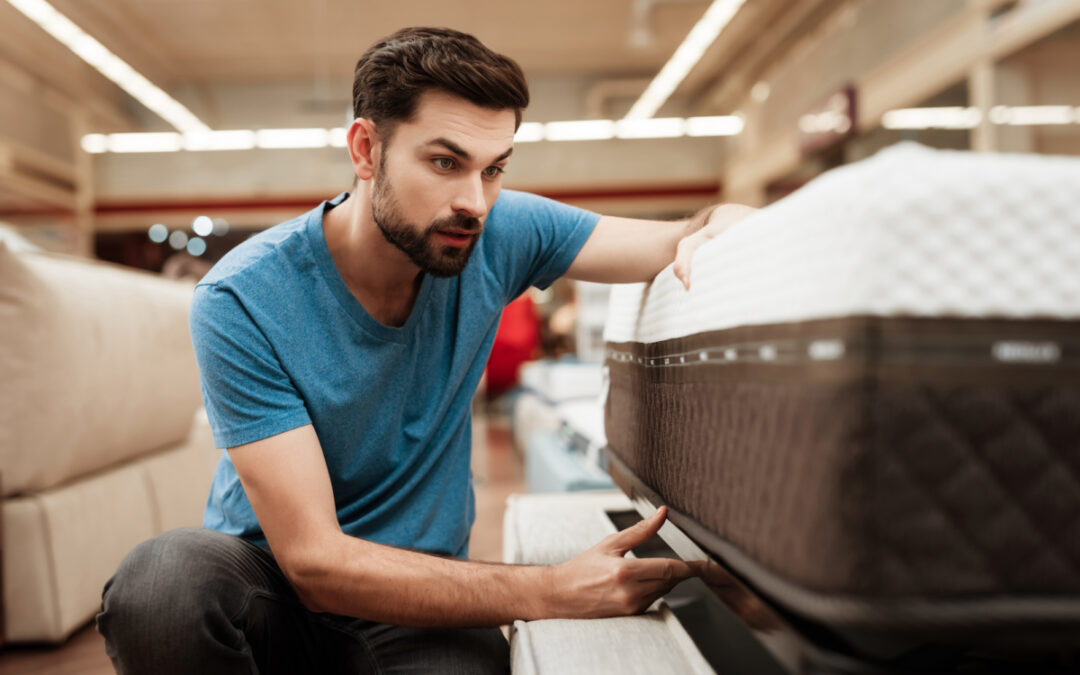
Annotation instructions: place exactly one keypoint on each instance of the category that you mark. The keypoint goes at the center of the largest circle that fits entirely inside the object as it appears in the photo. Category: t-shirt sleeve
(535, 239)
(248, 395)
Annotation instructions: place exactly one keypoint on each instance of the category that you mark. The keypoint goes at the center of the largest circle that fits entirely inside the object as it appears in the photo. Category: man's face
(438, 177)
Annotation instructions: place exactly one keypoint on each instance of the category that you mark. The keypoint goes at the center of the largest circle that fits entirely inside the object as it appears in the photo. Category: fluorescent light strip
(338, 137)
(273, 139)
(1031, 115)
(954, 117)
(168, 141)
(693, 47)
(109, 64)
(580, 130)
(719, 125)
(658, 127)
(239, 139)
(958, 117)
(529, 132)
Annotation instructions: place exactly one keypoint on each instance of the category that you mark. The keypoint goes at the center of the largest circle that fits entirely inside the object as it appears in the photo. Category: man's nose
(470, 199)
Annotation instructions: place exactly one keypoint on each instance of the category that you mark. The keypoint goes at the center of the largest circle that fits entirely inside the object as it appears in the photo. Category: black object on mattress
(878, 476)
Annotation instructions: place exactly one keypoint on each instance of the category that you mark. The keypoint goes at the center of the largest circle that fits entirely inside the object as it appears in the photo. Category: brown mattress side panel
(776, 468)
(978, 488)
(902, 484)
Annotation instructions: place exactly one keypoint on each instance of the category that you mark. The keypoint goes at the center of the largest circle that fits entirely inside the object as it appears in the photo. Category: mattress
(868, 403)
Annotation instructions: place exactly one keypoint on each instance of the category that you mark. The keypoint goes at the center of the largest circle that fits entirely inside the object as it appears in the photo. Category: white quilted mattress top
(908, 232)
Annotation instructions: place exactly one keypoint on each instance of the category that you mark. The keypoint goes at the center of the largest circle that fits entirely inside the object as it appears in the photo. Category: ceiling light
(202, 226)
(178, 240)
(693, 47)
(579, 130)
(718, 125)
(1032, 115)
(338, 137)
(657, 127)
(239, 139)
(196, 246)
(109, 64)
(529, 132)
(292, 138)
(760, 91)
(95, 143)
(158, 233)
(952, 117)
(167, 141)
(573, 130)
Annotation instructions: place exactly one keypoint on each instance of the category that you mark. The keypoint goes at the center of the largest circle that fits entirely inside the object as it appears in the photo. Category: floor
(497, 473)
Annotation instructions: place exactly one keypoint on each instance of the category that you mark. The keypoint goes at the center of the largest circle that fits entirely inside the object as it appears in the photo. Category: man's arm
(623, 250)
(286, 480)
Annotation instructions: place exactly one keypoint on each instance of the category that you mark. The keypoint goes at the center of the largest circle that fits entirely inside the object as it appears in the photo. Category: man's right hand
(604, 582)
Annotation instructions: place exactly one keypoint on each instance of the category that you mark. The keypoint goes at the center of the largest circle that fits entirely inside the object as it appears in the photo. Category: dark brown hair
(394, 72)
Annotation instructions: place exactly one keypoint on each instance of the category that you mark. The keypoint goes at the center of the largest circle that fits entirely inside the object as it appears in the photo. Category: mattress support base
(798, 645)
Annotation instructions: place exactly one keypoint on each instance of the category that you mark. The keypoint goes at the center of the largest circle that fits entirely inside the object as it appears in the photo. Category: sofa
(102, 440)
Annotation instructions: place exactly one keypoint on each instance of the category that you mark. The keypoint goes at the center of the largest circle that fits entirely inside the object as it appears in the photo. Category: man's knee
(179, 578)
(161, 572)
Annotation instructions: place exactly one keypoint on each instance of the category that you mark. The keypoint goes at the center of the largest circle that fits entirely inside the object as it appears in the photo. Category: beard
(419, 245)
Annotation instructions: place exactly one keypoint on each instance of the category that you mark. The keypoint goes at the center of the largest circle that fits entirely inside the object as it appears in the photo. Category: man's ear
(363, 144)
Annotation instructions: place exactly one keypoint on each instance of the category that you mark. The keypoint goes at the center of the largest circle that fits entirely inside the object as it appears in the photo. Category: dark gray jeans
(198, 601)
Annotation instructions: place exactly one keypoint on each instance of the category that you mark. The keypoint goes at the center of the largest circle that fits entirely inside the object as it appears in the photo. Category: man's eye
(493, 171)
(444, 163)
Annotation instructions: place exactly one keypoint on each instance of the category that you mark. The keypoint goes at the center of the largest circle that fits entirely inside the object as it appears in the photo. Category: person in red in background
(516, 341)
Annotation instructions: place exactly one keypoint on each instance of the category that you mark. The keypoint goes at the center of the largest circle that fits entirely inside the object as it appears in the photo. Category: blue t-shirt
(281, 342)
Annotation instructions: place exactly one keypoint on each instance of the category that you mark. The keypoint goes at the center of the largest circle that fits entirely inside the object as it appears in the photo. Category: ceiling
(281, 63)
(189, 47)
(214, 41)
(185, 45)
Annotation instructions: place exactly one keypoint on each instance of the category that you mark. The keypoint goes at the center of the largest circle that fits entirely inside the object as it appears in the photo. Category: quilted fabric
(909, 232)
(978, 489)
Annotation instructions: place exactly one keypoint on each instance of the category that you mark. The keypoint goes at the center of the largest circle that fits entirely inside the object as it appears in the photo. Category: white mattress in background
(908, 232)
(558, 381)
(584, 417)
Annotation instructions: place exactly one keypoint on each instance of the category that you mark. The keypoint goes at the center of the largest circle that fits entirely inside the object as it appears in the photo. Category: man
(339, 353)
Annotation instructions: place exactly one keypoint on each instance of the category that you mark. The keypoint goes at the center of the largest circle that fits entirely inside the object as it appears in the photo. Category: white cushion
(96, 363)
(653, 643)
(547, 529)
(62, 545)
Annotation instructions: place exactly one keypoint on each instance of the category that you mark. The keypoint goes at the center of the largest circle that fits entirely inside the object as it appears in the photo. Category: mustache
(457, 222)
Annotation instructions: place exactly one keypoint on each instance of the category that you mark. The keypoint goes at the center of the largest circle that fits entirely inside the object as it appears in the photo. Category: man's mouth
(457, 238)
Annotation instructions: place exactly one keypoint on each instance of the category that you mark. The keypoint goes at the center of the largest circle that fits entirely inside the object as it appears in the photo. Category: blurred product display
(591, 301)
(557, 423)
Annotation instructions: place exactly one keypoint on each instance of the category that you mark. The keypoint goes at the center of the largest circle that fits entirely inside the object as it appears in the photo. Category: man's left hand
(717, 219)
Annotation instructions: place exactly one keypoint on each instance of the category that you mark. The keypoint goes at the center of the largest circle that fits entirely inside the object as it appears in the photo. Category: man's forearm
(358, 578)
(623, 250)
